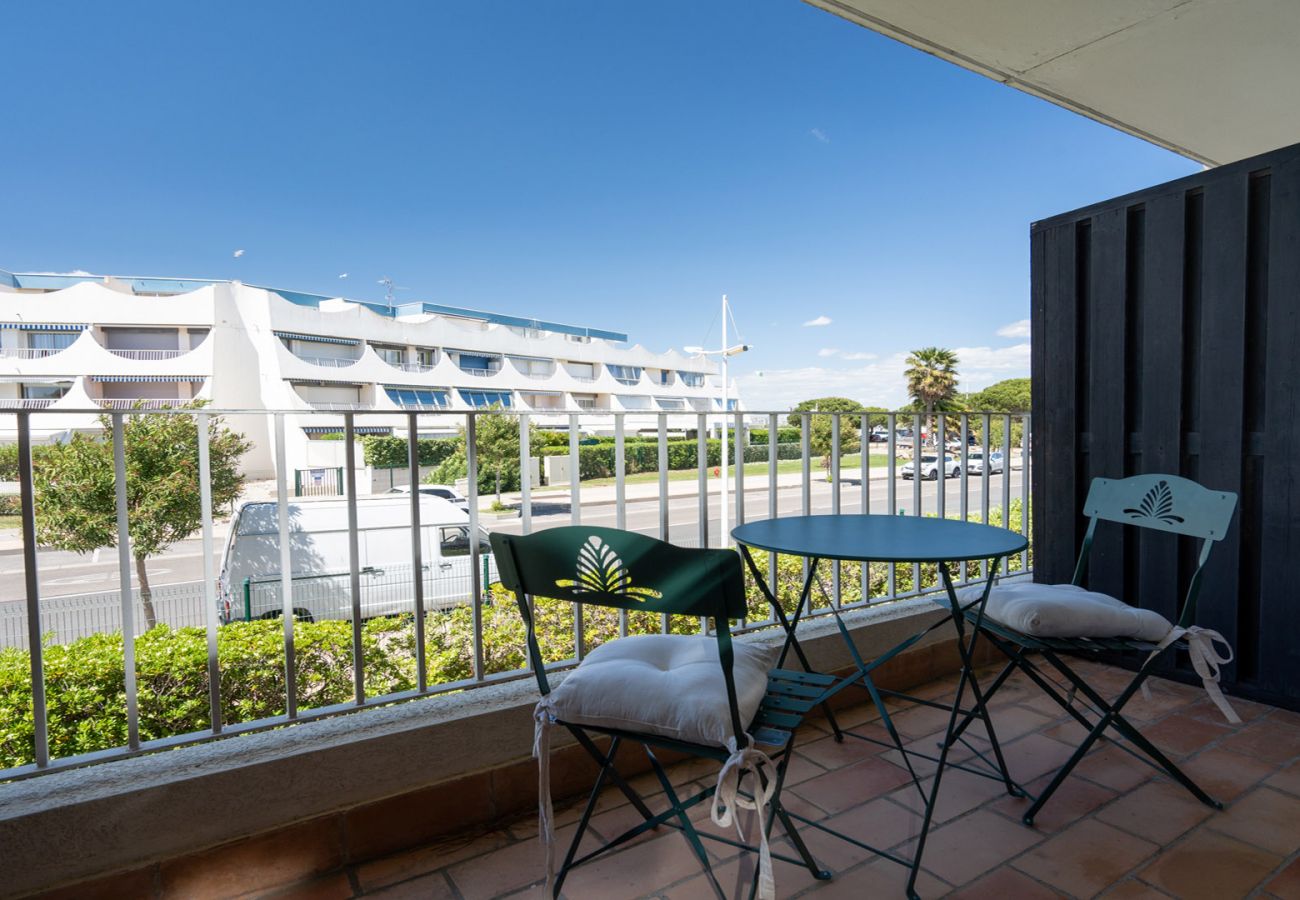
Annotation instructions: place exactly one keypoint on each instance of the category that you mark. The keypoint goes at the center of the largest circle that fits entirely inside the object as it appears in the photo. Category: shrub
(387, 452)
(86, 693)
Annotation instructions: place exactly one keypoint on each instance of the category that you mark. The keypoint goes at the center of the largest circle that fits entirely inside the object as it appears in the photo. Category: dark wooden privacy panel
(1166, 338)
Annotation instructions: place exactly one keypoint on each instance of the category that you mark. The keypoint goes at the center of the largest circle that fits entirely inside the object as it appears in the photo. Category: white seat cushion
(1068, 611)
(665, 684)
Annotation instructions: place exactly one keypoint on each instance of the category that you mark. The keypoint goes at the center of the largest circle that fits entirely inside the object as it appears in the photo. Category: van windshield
(455, 541)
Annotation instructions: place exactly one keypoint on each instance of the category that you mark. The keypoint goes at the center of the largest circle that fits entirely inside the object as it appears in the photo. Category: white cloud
(817, 322)
(1015, 329)
(238, 253)
(859, 355)
(820, 135)
(343, 275)
(828, 351)
(878, 383)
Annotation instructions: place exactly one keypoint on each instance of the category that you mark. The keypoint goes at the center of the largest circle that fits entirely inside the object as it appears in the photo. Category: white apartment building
(80, 342)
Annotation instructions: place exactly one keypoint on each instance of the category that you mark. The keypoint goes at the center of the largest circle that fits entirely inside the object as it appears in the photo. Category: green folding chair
(1158, 502)
(624, 570)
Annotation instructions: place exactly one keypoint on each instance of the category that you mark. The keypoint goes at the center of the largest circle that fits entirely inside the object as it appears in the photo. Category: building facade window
(486, 399)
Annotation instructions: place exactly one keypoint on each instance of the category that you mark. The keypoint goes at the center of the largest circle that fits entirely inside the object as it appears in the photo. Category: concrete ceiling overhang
(1213, 80)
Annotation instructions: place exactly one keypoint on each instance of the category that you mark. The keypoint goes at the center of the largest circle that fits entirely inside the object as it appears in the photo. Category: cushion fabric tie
(543, 720)
(727, 799)
(1205, 660)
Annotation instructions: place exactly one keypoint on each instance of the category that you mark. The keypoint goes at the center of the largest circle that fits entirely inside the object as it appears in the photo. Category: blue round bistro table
(893, 539)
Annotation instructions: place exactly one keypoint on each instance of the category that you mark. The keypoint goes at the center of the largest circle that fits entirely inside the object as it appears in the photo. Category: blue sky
(610, 164)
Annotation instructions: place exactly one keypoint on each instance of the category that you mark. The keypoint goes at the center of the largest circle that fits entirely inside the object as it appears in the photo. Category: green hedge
(86, 693)
(597, 460)
(386, 452)
(784, 435)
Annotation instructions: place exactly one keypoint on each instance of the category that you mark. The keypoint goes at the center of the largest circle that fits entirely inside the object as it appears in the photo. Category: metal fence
(700, 514)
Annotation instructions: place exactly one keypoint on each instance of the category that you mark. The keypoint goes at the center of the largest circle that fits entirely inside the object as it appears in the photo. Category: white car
(975, 463)
(446, 492)
(930, 468)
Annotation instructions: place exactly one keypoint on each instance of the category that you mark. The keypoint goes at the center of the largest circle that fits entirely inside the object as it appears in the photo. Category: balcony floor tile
(1116, 828)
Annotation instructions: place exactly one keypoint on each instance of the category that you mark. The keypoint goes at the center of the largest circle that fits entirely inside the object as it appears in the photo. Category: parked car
(975, 462)
(249, 583)
(930, 468)
(878, 436)
(446, 492)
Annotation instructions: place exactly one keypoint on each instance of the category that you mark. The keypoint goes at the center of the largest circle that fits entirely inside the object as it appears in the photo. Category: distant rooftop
(53, 281)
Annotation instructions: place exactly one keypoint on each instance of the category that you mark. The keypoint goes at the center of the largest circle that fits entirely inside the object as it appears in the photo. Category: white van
(249, 586)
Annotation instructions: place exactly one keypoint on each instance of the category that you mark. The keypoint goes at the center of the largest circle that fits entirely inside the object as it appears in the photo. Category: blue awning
(44, 326)
(486, 354)
(482, 399)
(317, 338)
(416, 397)
(105, 379)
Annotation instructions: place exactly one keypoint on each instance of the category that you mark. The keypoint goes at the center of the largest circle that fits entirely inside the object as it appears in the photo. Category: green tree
(497, 444)
(820, 436)
(76, 499)
(1009, 396)
(931, 380)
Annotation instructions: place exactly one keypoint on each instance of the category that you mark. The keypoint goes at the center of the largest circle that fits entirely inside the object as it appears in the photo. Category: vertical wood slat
(1222, 334)
(1279, 614)
(1052, 402)
(1161, 358)
(1107, 282)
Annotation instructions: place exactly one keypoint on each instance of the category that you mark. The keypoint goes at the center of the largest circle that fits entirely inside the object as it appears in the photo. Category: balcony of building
(326, 351)
(150, 344)
(477, 363)
(120, 392)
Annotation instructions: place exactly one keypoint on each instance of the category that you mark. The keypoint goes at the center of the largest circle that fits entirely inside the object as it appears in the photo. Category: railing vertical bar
(740, 445)
(891, 493)
(209, 571)
(575, 501)
(663, 496)
(866, 496)
(620, 497)
(702, 475)
(964, 503)
(124, 582)
(835, 501)
(286, 567)
(354, 555)
(773, 500)
(36, 662)
(475, 582)
(1006, 471)
(985, 422)
(805, 479)
(417, 546)
(916, 487)
(1024, 488)
(805, 455)
(525, 476)
(941, 501)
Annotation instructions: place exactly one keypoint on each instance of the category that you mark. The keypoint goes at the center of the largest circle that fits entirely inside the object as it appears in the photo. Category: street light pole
(726, 353)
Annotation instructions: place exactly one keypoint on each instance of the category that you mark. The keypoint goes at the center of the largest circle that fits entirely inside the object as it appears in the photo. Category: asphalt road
(71, 583)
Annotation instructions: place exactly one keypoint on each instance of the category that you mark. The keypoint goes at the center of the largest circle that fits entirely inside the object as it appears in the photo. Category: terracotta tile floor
(1116, 828)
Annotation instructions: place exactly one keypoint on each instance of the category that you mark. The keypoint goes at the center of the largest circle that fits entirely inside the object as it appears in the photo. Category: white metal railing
(142, 403)
(329, 362)
(336, 405)
(420, 368)
(26, 403)
(146, 354)
(481, 373)
(29, 352)
(773, 478)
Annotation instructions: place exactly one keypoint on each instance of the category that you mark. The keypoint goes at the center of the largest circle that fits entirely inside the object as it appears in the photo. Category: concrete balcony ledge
(279, 807)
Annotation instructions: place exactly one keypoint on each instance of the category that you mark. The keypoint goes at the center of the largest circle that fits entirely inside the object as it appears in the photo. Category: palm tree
(931, 379)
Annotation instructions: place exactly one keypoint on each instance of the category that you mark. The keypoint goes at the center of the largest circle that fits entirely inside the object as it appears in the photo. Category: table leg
(789, 625)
